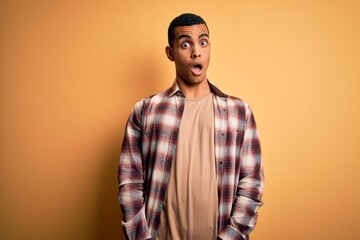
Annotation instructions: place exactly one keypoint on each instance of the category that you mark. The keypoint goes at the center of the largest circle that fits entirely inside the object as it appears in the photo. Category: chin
(196, 81)
(193, 80)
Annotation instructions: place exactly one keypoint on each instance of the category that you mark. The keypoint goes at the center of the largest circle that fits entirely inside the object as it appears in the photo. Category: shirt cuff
(137, 227)
(230, 233)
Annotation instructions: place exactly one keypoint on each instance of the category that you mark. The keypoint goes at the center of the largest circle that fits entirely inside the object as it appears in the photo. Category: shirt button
(222, 134)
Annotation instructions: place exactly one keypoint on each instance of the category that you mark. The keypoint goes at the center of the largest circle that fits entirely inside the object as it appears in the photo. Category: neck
(196, 90)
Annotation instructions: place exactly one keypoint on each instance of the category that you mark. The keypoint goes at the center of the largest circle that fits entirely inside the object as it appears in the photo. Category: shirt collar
(175, 89)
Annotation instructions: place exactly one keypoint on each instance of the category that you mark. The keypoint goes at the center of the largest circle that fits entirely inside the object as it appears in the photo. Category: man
(190, 166)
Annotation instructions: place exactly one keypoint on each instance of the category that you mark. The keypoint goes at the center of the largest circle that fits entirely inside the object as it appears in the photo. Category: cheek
(180, 61)
(180, 66)
(208, 57)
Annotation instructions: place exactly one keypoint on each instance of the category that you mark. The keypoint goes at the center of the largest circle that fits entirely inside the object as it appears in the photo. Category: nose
(196, 52)
(195, 55)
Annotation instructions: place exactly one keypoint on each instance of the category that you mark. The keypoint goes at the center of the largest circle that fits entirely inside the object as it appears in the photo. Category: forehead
(193, 30)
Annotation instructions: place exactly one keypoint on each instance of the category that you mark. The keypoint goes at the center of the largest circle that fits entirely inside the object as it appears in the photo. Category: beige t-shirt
(191, 202)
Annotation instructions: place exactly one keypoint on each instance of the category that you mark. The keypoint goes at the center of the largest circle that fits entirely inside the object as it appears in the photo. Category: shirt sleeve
(131, 181)
(250, 186)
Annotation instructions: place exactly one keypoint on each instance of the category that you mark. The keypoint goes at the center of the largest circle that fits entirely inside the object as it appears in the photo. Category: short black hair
(185, 19)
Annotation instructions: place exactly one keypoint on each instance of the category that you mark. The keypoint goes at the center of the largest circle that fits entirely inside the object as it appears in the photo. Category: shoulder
(241, 105)
(232, 101)
(143, 105)
(237, 107)
(236, 101)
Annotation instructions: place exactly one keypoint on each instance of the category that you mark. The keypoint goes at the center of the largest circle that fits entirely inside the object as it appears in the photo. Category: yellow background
(70, 72)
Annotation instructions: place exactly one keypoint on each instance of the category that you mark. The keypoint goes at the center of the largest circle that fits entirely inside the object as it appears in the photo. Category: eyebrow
(188, 36)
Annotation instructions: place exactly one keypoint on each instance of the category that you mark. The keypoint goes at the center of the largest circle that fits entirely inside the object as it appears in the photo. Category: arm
(131, 182)
(250, 186)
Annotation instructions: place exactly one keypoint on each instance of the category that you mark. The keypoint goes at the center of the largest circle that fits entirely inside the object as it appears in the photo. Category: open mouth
(199, 66)
(196, 69)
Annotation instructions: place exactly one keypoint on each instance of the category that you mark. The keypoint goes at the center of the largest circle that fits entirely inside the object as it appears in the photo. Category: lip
(196, 68)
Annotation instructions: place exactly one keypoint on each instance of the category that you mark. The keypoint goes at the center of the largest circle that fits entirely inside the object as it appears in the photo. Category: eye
(203, 43)
(185, 45)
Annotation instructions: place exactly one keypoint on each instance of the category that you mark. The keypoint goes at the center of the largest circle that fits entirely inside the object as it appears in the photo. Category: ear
(170, 53)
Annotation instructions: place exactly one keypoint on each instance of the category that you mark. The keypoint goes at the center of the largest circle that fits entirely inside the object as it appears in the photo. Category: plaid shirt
(149, 148)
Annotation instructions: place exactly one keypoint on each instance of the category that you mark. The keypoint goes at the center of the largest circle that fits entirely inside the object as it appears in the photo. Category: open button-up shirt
(148, 150)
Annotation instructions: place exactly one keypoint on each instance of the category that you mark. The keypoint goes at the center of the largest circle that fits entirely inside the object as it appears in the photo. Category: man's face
(191, 53)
